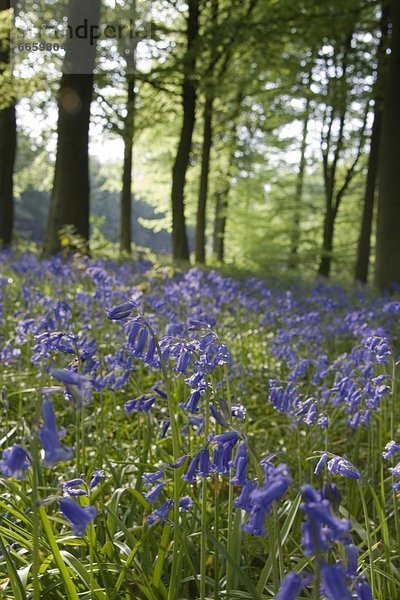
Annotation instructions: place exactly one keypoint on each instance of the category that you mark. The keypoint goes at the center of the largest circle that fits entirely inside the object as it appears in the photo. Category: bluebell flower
(218, 416)
(239, 411)
(152, 495)
(321, 463)
(98, 475)
(244, 500)
(160, 514)
(240, 463)
(204, 462)
(185, 503)
(331, 492)
(255, 524)
(150, 478)
(190, 475)
(391, 449)
(121, 311)
(290, 587)
(71, 488)
(165, 425)
(334, 584)
(321, 527)
(50, 436)
(342, 466)
(78, 517)
(142, 404)
(363, 590)
(14, 462)
(78, 386)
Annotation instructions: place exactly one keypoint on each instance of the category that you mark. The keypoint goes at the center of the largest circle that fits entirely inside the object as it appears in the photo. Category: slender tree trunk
(8, 143)
(221, 206)
(293, 259)
(126, 194)
(180, 247)
(71, 188)
(204, 176)
(388, 226)
(364, 242)
(327, 244)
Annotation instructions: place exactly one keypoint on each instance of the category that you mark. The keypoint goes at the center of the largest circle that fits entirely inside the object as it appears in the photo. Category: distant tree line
(222, 80)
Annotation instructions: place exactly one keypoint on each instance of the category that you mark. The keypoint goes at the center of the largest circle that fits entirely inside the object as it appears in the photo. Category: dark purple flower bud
(152, 495)
(78, 517)
(331, 492)
(290, 588)
(121, 311)
(160, 392)
(164, 428)
(14, 462)
(179, 462)
(334, 583)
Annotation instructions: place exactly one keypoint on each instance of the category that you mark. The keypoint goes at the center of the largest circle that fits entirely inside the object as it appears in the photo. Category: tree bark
(8, 145)
(71, 188)
(204, 176)
(180, 247)
(388, 225)
(364, 242)
(126, 194)
(327, 244)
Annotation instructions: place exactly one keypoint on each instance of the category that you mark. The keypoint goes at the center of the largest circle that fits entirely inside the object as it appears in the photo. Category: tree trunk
(388, 226)
(295, 241)
(8, 145)
(221, 206)
(364, 242)
(126, 194)
(204, 176)
(71, 188)
(180, 248)
(327, 244)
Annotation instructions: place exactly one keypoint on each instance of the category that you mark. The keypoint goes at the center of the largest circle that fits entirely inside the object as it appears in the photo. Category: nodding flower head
(79, 517)
(14, 462)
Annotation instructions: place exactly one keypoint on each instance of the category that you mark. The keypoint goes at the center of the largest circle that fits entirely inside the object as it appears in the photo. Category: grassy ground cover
(184, 434)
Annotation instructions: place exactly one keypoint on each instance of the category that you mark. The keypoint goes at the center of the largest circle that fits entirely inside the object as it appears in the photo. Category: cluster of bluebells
(391, 449)
(354, 381)
(321, 530)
